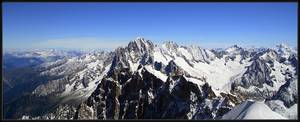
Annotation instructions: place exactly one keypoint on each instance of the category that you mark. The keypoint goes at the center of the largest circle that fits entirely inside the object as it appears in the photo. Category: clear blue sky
(108, 25)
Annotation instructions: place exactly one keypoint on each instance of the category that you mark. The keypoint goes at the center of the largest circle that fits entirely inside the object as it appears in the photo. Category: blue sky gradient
(108, 25)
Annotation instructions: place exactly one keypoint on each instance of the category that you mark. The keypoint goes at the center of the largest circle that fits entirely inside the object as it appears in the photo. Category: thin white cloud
(81, 43)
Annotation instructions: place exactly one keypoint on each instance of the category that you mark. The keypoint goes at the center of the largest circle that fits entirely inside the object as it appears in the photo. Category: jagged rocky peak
(269, 55)
(170, 45)
(137, 51)
(201, 54)
(140, 45)
(285, 101)
(282, 53)
(235, 46)
(258, 74)
(285, 52)
(288, 93)
(195, 47)
(234, 49)
(171, 68)
(283, 48)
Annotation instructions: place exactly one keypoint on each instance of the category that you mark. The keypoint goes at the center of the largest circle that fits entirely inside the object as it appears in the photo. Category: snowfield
(252, 110)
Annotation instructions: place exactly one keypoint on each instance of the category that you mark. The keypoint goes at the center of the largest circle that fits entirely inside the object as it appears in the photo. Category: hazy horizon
(159, 44)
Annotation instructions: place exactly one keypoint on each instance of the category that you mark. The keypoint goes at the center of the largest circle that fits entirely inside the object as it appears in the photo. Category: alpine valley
(147, 81)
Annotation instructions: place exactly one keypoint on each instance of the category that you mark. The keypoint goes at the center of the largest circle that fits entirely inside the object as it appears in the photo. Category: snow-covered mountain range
(147, 81)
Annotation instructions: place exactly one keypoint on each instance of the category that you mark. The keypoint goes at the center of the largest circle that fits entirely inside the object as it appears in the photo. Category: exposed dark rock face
(171, 68)
(294, 62)
(257, 74)
(287, 93)
(208, 91)
(143, 96)
(102, 103)
(175, 102)
(219, 54)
